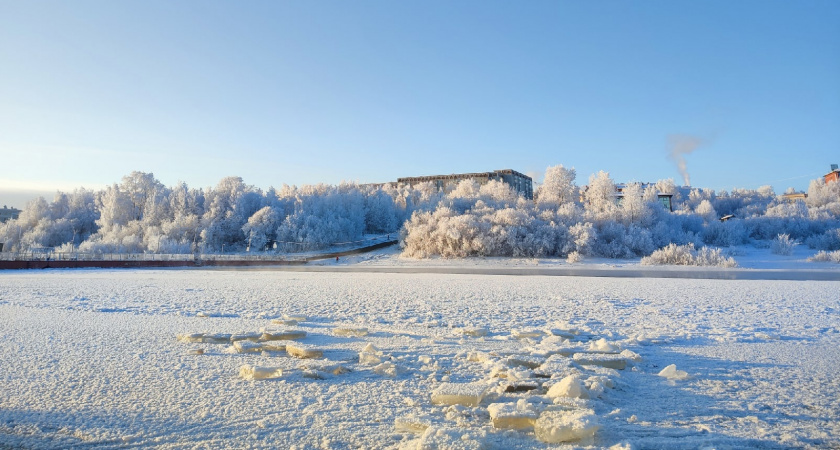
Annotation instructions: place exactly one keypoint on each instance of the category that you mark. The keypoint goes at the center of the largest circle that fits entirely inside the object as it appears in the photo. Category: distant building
(521, 183)
(834, 175)
(7, 213)
(794, 197)
(664, 199)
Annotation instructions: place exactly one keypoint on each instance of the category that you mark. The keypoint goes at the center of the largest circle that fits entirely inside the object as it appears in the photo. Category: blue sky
(306, 92)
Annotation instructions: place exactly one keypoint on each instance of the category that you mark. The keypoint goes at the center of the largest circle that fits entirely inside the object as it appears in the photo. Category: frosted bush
(824, 256)
(830, 240)
(782, 245)
(687, 255)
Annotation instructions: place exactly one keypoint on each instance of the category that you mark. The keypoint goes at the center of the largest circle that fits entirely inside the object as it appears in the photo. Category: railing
(293, 251)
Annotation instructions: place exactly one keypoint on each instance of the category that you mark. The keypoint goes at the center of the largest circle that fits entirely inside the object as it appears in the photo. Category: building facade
(8, 213)
(519, 182)
(834, 175)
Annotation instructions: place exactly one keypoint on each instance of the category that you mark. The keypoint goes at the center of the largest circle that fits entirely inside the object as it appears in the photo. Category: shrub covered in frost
(687, 255)
(782, 245)
(824, 256)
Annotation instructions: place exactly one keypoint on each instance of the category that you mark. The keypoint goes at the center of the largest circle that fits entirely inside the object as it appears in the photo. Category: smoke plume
(681, 145)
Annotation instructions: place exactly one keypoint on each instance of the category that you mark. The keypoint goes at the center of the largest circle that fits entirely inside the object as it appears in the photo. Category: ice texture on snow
(465, 394)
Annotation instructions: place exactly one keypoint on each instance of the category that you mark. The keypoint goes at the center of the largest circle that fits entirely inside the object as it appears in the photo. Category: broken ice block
(478, 357)
(369, 358)
(273, 346)
(602, 346)
(474, 331)
(413, 423)
(295, 317)
(557, 366)
(531, 362)
(387, 369)
(299, 350)
(612, 361)
(282, 335)
(530, 333)
(247, 347)
(217, 338)
(350, 331)
(519, 415)
(465, 394)
(249, 372)
(672, 373)
(250, 336)
(288, 323)
(190, 337)
(566, 426)
(571, 387)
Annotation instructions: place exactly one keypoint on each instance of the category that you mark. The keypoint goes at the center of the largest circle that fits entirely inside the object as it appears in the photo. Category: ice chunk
(286, 322)
(566, 426)
(249, 372)
(370, 348)
(370, 355)
(249, 336)
(350, 331)
(630, 355)
(521, 386)
(425, 359)
(247, 347)
(217, 338)
(282, 335)
(190, 337)
(672, 373)
(612, 361)
(369, 358)
(465, 394)
(557, 366)
(527, 333)
(273, 346)
(435, 438)
(299, 350)
(531, 362)
(478, 357)
(416, 424)
(602, 346)
(295, 317)
(571, 387)
(387, 369)
(519, 415)
(474, 331)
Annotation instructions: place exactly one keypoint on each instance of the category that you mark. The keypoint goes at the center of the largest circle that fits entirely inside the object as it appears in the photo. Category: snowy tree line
(140, 214)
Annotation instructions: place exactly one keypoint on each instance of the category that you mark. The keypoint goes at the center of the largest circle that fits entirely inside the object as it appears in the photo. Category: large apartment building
(519, 182)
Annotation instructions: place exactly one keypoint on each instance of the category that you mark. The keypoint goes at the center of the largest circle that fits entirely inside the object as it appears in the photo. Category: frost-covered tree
(558, 188)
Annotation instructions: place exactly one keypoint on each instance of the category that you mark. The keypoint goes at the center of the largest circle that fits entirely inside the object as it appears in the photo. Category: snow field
(94, 360)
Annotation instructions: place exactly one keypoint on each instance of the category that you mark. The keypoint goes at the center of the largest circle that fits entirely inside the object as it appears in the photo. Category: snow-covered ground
(90, 357)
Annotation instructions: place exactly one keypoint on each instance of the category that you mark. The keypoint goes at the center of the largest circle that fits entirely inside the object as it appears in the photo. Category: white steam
(681, 145)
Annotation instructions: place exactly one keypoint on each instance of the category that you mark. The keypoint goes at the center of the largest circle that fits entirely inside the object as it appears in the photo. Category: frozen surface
(111, 358)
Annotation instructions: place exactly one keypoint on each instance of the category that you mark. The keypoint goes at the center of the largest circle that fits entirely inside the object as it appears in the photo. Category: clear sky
(301, 92)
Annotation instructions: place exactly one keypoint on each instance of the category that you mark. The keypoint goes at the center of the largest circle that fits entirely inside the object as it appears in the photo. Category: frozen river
(90, 357)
